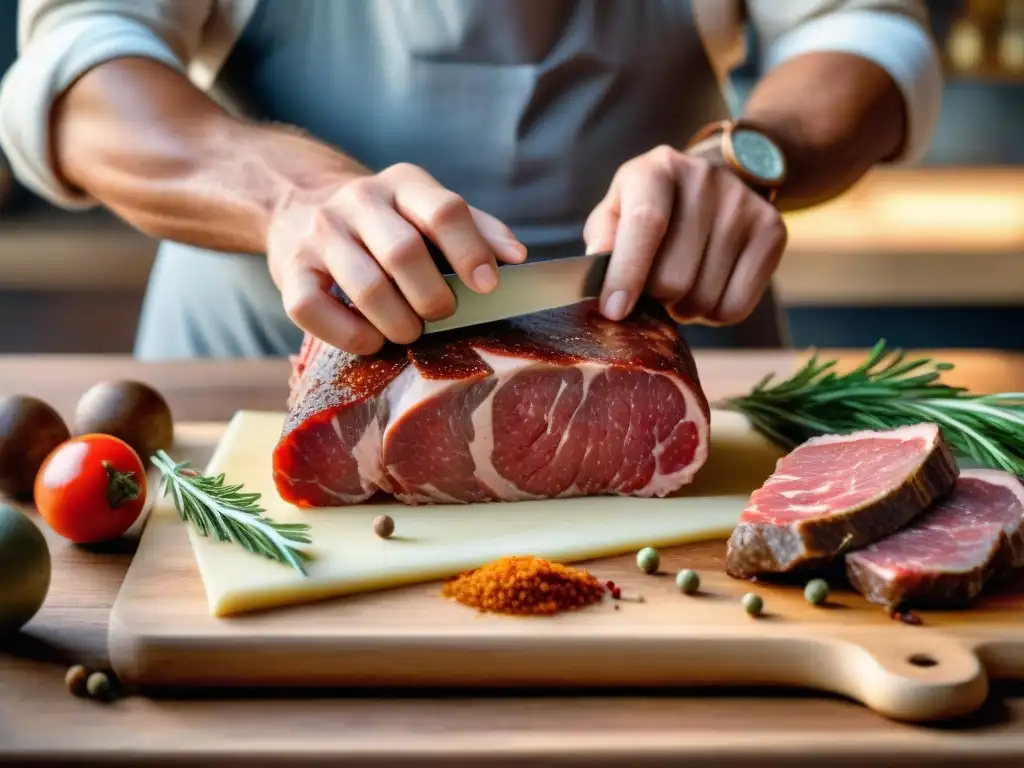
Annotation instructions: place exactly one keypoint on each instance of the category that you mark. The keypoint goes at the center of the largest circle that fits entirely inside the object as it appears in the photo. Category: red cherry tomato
(91, 488)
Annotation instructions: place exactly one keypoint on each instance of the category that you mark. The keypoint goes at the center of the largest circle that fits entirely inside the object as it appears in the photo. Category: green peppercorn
(648, 560)
(98, 685)
(753, 604)
(816, 591)
(75, 679)
(688, 581)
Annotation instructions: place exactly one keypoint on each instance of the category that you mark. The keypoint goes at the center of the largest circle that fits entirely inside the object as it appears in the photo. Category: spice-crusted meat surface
(949, 554)
(557, 404)
(836, 493)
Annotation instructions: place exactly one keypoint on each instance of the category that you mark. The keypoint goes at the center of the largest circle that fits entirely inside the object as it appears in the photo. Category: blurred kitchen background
(930, 256)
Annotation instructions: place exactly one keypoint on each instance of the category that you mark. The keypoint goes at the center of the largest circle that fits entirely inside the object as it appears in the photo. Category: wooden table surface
(40, 723)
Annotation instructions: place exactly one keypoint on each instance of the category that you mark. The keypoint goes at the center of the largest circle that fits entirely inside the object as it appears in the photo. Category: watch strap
(714, 142)
(709, 131)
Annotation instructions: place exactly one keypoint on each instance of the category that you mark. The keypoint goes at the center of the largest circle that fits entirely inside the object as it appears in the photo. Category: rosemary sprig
(885, 391)
(230, 514)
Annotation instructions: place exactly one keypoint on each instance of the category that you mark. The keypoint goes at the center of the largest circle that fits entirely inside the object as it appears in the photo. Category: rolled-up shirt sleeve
(894, 34)
(58, 42)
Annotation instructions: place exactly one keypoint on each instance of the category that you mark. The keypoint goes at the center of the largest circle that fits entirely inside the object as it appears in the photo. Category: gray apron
(526, 108)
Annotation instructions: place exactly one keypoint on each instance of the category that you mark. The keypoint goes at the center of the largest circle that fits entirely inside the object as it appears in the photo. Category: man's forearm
(165, 157)
(835, 115)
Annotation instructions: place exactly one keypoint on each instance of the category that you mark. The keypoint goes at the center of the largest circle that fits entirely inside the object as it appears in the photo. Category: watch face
(758, 155)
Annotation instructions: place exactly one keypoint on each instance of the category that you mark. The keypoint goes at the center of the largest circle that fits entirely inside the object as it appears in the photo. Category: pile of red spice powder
(526, 586)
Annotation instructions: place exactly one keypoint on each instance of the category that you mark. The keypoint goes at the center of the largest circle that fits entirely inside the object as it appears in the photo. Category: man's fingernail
(616, 306)
(485, 278)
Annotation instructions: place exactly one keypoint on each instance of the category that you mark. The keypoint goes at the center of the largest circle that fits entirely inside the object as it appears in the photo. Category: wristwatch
(746, 151)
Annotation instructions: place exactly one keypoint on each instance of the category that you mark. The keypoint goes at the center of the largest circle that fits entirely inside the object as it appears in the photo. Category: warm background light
(965, 46)
(947, 210)
(912, 237)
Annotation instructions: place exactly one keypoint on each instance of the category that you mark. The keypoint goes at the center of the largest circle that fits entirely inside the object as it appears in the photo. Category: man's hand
(141, 138)
(688, 233)
(366, 234)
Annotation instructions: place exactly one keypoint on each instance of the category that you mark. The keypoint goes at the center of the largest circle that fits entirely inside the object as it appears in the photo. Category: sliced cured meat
(945, 557)
(557, 404)
(837, 493)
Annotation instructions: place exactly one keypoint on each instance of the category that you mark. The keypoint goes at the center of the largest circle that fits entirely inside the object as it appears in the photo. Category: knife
(526, 288)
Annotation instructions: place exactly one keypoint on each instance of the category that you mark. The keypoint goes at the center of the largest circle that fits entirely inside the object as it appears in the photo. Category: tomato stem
(121, 486)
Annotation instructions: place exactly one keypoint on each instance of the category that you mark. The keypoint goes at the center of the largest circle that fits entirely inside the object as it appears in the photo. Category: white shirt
(524, 107)
(59, 40)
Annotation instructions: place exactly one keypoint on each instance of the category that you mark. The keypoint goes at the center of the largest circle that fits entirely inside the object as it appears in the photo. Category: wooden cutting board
(162, 631)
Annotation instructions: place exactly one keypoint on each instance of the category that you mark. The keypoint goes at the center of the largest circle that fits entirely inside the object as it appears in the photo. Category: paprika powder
(524, 585)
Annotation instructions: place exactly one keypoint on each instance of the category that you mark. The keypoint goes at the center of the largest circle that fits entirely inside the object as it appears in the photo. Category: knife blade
(526, 288)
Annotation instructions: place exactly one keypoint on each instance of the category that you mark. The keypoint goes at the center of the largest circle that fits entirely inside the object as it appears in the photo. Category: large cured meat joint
(838, 493)
(557, 404)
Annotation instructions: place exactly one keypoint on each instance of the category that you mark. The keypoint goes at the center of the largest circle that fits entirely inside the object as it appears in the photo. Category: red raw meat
(837, 493)
(557, 404)
(949, 554)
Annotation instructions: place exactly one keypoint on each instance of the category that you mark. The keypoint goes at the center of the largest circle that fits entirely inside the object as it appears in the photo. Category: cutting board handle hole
(922, 660)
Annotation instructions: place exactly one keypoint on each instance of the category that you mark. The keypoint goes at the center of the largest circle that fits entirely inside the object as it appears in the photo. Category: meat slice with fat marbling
(836, 493)
(557, 404)
(947, 555)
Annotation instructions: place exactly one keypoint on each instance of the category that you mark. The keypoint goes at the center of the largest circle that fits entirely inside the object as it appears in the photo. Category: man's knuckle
(665, 156)
(734, 312)
(700, 169)
(370, 291)
(407, 334)
(640, 164)
(681, 311)
(649, 215)
(323, 222)
(450, 208)
(299, 306)
(725, 312)
(401, 252)
(362, 342)
(775, 230)
(672, 286)
(400, 170)
(743, 201)
(662, 152)
(437, 306)
(702, 304)
(358, 193)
